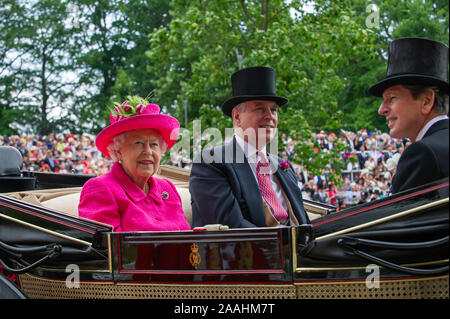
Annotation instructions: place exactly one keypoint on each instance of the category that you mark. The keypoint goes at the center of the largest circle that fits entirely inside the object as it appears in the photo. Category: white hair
(241, 108)
(118, 140)
(115, 145)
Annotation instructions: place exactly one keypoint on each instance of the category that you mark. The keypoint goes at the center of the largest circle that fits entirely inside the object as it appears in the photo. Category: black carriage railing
(351, 245)
(52, 251)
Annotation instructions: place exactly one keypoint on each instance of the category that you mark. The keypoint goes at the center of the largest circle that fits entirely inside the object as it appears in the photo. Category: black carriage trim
(49, 219)
(405, 234)
(418, 196)
(143, 242)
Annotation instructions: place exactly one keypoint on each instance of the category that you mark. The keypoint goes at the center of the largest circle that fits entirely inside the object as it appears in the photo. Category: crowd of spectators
(370, 159)
(67, 153)
(366, 177)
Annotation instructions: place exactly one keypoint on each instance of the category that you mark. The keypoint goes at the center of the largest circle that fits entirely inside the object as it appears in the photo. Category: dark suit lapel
(282, 175)
(291, 190)
(398, 181)
(440, 125)
(286, 182)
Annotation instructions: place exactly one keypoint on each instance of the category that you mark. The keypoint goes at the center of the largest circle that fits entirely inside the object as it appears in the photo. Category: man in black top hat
(415, 96)
(240, 184)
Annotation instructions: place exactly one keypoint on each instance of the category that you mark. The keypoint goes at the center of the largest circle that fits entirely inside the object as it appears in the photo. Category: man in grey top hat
(415, 96)
(240, 184)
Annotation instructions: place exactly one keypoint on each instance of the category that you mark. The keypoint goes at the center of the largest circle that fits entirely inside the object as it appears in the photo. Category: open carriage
(396, 247)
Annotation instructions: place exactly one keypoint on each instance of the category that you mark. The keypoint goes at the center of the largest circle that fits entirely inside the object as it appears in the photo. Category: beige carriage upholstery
(67, 203)
(66, 200)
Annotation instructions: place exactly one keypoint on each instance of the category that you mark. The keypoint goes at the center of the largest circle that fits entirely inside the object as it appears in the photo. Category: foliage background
(63, 63)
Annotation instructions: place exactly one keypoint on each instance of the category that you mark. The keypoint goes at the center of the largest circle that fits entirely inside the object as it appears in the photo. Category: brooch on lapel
(284, 165)
(165, 195)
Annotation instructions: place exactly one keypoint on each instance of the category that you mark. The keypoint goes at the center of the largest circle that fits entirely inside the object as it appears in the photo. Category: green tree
(112, 60)
(12, 28)
(34, 64)
(397, 19)
(207, 41)
(63, 62)
(102, 51)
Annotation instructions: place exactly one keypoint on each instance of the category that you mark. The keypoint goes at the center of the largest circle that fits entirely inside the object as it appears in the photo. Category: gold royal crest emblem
(194, 257)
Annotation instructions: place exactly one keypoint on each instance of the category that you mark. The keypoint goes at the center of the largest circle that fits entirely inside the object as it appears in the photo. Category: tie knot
(263, 168)
(262, 164)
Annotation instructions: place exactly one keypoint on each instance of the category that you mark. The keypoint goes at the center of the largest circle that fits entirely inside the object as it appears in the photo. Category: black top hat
(415, 61)
(254, 83)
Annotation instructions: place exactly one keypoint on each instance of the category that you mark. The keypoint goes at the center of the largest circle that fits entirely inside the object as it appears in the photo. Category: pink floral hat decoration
(136, 113)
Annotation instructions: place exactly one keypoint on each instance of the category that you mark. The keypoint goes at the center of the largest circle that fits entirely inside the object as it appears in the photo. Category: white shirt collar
(248, 149)
(424, 129)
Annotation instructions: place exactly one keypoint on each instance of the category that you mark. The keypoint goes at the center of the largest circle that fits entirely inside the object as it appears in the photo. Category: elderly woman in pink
(128, 197)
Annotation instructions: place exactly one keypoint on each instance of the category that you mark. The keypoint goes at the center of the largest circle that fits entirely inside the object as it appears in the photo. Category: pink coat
(115, 199)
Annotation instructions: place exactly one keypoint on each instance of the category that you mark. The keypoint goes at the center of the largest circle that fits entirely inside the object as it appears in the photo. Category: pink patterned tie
(263, 177)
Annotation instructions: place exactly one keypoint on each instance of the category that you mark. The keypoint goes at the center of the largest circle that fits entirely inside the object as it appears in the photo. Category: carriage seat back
(10, 161)
(10, 171)
(66, 204)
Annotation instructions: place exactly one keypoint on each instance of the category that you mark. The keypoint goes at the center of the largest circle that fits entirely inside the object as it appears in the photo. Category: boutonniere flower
(284, 165)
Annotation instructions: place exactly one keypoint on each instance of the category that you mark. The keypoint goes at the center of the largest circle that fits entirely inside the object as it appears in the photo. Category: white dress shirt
(250, 153)
(425, 129)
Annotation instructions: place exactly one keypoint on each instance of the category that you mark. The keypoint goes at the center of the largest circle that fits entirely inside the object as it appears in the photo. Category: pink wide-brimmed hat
(127, 117)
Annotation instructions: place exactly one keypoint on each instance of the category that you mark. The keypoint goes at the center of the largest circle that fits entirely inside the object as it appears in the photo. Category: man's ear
(427, 98)
(236, 116)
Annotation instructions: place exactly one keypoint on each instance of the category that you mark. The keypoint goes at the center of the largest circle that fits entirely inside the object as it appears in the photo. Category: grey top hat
(254, 83)
(415, 61)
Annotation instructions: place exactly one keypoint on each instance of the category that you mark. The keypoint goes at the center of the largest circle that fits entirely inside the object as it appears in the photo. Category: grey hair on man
(440, 98)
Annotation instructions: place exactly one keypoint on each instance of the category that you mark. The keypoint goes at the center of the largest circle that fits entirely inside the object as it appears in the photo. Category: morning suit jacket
(224, 189)
(424, 161)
